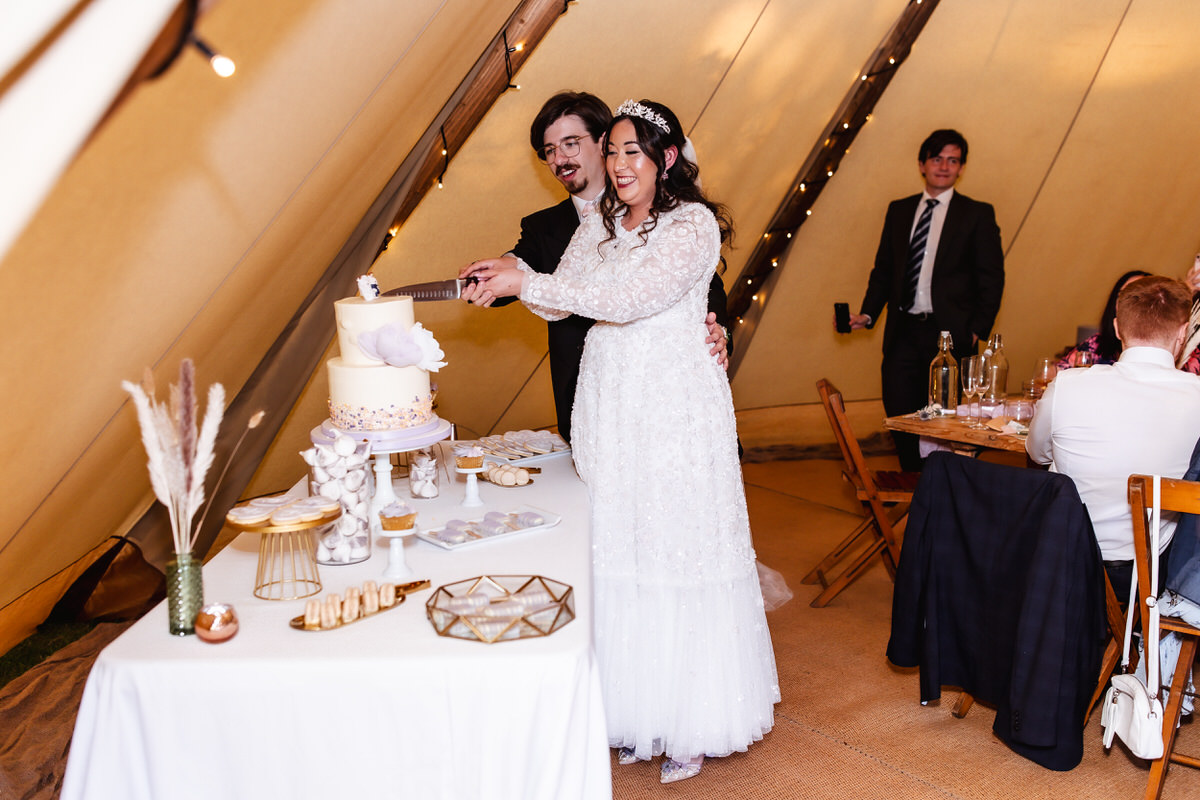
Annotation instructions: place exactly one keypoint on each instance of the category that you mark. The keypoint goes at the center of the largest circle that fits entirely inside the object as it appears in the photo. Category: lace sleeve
(548, 314)
(683, 249)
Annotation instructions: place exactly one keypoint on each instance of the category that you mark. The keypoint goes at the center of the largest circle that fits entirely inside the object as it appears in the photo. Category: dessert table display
(383, 707)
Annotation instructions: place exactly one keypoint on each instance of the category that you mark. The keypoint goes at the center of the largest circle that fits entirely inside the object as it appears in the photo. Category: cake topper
(368, 287)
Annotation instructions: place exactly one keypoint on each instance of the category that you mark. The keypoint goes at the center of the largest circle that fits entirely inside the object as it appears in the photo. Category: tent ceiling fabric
(192, 226)
(203, 212)
(56, 85)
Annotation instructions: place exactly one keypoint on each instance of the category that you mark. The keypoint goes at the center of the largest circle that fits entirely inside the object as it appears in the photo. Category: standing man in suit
(939, 267)
(568, 136)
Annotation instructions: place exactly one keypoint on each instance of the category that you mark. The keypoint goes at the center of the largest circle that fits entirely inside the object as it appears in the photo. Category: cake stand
(471, 498)
(397, 569)
(287, 565)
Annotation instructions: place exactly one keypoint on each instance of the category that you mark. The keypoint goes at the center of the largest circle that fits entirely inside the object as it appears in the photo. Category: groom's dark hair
(587, 107)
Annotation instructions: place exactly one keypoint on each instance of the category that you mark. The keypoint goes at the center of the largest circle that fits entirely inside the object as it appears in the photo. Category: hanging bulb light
(222, 65)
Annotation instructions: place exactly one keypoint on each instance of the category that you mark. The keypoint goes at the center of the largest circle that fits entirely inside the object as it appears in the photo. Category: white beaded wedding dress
(681, 637)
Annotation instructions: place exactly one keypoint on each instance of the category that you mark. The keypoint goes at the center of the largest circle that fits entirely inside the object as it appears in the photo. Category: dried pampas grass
(179, 454)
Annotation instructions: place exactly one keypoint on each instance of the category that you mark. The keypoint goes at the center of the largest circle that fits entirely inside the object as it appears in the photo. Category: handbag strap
(1150, 629)
(1150, 637)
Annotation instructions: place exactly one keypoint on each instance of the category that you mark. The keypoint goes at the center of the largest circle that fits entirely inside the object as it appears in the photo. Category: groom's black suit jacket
(544, 238)
(968, 271)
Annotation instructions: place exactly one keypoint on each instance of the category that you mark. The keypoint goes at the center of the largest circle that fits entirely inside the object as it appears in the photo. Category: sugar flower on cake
(398, 347)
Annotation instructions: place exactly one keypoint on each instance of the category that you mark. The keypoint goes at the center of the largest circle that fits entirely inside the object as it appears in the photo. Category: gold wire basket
(498, 608)
(287, 564)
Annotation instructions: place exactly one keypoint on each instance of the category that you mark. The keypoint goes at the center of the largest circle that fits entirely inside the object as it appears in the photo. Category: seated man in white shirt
(1140, 415)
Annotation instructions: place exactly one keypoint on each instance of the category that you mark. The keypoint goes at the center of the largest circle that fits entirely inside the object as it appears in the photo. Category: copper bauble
(216, 622)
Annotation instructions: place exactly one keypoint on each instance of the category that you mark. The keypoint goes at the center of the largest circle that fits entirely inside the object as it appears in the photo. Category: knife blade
(433, 290)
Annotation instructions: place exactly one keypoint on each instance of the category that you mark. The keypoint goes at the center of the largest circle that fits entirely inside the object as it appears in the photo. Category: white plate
(550, 521)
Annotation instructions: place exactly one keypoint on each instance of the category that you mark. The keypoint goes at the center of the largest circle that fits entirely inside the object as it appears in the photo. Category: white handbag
(1133, 710)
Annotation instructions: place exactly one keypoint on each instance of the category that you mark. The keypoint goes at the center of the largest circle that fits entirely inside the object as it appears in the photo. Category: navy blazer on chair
(1000, 591)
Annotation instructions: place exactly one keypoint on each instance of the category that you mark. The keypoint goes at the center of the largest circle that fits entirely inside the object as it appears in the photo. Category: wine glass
(970, 383)
(1084, 358)
(983, 382)
(1047, 371)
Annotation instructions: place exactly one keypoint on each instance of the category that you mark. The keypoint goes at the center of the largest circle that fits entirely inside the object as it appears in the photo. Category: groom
(568, 136)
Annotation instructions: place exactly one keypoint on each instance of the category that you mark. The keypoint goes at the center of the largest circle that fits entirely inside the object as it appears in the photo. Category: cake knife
(434, 290)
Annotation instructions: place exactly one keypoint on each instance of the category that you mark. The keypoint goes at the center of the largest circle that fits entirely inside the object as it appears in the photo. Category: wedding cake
(380, 379)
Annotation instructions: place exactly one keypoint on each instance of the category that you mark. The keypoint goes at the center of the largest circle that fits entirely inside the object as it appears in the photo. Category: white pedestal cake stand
(383, 445)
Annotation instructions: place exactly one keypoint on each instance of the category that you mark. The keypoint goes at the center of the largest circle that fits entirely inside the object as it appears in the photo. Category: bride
(681, 637)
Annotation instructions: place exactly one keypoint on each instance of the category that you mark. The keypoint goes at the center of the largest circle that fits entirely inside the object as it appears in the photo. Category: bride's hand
(501, 282)
(476, 294)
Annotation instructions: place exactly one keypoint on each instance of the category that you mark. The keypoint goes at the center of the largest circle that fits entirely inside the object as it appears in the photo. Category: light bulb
(222, 65)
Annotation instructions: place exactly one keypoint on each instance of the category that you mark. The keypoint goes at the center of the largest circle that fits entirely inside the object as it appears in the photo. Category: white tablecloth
(381, 708)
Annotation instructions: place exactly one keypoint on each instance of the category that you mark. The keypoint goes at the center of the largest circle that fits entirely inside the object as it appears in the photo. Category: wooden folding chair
(1183, 496)
(1116, 643)
(884, 494)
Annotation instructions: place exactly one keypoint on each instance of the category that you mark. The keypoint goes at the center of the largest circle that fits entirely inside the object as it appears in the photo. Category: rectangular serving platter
(524, 461)
(551, 519)
(506, 450)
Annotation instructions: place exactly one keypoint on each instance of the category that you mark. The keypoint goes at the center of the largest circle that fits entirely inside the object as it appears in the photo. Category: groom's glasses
(568, 147)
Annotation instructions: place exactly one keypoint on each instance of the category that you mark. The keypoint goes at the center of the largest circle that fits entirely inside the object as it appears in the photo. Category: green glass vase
(185, 593)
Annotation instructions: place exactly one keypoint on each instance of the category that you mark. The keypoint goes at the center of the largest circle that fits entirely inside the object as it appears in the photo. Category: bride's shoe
(673, 770)
(626, 756)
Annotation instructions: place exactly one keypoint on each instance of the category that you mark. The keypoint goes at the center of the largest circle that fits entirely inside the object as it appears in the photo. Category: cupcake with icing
(397, 516)
(468, 456)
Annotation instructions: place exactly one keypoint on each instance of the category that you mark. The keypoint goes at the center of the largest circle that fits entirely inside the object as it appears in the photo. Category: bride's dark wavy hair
(681, 184)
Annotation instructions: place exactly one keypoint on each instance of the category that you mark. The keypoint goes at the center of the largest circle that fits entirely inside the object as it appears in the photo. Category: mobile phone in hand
(841, 317)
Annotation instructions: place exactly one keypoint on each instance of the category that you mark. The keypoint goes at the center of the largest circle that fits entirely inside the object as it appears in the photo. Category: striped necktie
(916, 254)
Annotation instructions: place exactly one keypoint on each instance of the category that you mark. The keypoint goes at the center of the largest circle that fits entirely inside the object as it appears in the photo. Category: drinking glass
(970, 383)
(983, 382)
(1085, 358)
(1047, 370)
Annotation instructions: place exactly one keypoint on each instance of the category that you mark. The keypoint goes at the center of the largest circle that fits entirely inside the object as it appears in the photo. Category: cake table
(383, 707)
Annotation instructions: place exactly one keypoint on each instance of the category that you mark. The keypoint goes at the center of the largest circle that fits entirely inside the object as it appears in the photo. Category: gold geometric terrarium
(498, 608)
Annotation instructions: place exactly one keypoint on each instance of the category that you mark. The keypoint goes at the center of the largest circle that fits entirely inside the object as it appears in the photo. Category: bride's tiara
(632, 108)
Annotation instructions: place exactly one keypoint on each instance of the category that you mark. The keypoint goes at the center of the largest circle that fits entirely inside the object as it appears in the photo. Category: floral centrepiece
(180, 450)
